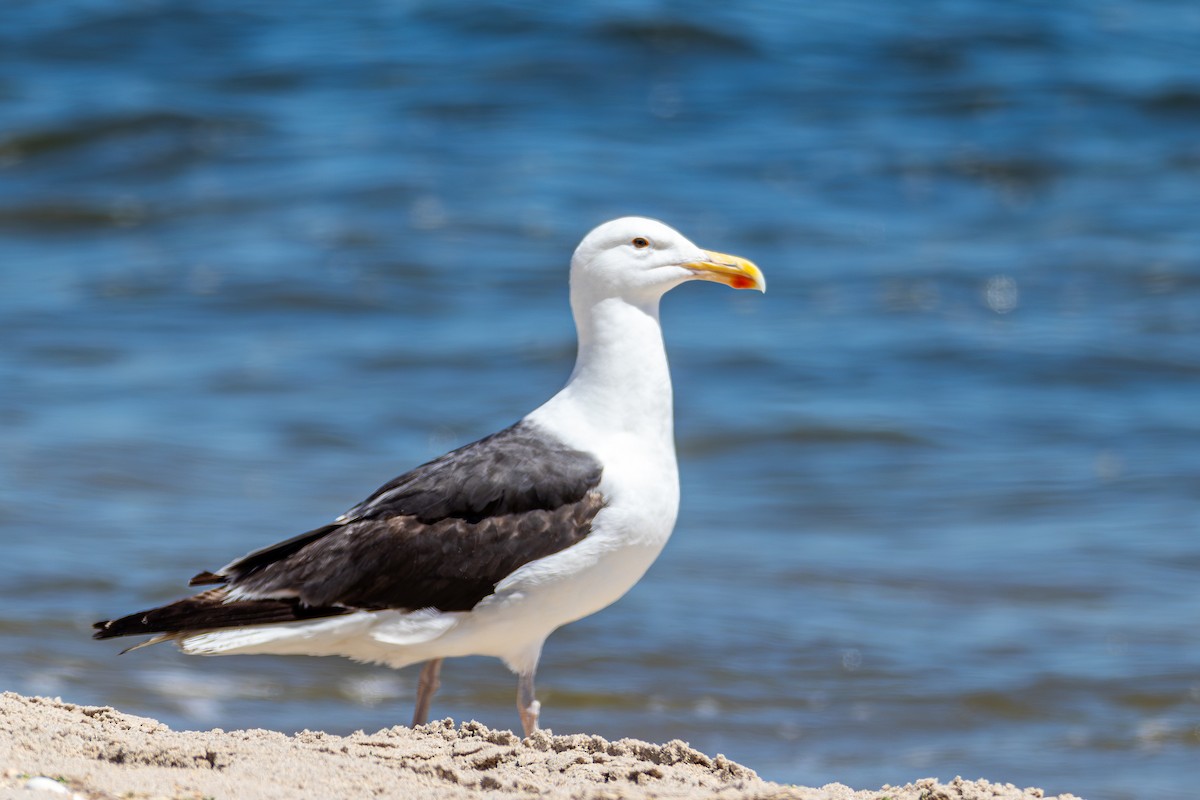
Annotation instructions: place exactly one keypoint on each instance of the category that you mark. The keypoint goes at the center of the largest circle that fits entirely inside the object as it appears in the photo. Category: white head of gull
(491, 547)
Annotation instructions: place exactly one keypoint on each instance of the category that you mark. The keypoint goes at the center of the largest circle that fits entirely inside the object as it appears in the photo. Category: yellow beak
(729, 270)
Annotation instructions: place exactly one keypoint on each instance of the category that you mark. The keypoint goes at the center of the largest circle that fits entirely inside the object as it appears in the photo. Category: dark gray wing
(517, 470)
(441, 536)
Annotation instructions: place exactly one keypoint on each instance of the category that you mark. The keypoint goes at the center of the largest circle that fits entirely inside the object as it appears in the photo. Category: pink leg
(427, 685)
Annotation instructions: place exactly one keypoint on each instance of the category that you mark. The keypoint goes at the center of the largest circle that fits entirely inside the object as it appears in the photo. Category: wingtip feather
(206, 577)
(163, 637)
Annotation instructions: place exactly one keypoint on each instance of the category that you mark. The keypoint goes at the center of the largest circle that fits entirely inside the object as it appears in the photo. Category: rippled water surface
(941, 486)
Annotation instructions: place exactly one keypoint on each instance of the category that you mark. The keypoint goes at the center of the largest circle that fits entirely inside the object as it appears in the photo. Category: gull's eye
(641, 242)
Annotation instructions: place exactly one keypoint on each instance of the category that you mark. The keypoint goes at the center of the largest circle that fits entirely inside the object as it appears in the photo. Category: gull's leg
(427, 685)
(527, 704)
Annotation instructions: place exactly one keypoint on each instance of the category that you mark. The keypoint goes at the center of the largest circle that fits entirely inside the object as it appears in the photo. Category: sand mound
(98, 752)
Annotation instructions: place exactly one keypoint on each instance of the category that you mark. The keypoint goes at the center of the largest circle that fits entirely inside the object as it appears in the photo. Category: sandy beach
(54, 748)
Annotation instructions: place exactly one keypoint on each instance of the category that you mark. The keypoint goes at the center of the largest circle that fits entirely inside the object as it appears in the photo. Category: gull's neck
(621, 383)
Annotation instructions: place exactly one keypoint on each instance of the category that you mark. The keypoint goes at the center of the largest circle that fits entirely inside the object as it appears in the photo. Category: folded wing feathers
(441, 536)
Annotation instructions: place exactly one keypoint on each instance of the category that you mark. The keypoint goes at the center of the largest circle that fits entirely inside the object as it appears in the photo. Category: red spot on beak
(740, 282)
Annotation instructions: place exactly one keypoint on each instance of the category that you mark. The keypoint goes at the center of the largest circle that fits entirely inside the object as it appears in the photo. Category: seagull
(491, 547)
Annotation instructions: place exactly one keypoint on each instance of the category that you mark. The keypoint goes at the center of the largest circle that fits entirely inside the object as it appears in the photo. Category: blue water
(941, 486)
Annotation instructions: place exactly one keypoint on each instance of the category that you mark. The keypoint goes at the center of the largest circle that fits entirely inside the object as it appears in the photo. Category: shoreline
(98, 753)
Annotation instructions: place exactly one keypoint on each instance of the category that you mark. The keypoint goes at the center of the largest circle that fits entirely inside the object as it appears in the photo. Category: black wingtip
(140, 622)
(103, 629)
(209, 611)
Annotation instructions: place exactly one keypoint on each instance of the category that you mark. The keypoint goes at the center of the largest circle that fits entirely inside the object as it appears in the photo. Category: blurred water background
(941, 486)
